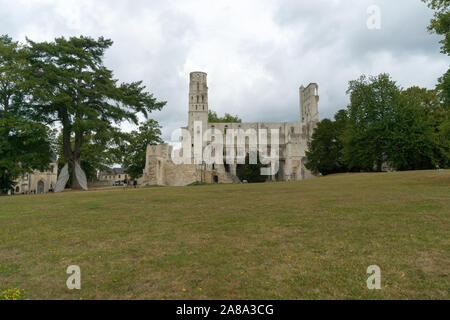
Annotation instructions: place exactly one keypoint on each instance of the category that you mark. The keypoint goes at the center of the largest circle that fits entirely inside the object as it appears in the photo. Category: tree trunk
(72, 155)
(379, 165)
(75, 184)
(77, 159)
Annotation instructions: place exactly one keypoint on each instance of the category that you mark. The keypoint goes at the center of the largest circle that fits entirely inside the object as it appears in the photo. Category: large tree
(325, 148)
(440, 24)
(366, 140)
(134, 152)
(24, 144)
(11, 72)
(24, 147)
(412, 143)
(388, 125)
(71, 85)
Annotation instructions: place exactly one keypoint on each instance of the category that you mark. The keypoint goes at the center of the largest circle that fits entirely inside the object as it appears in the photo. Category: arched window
(198, 99)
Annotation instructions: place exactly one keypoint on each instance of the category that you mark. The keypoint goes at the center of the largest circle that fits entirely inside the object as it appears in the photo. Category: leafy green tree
(213, 118)
(444, 142)
(251, 172)
(24, 147)
(366, 139)
(412, 142)
(135, 152)
(440, 24)
(70, 85)
(388, 125)
(12, 65)
(325, 148)
(24, 144)
(443, 89)
(429, 109)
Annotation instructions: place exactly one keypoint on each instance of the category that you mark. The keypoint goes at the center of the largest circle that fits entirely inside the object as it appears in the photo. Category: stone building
(37, 181)
(293, 142)
(114, 175)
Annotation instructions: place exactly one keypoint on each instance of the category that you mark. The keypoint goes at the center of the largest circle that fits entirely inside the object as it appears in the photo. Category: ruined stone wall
(293, 142)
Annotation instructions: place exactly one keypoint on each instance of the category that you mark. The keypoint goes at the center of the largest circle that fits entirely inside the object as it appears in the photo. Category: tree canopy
(325, 148)
(25, 145)
(228, 118)
(70, 85)
(440, 24)
(383, 127)
(251, 172)
(135, 151)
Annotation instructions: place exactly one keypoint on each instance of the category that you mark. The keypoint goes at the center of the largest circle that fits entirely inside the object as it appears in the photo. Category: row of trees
(228, 118)
(385, 125)
(64, 84)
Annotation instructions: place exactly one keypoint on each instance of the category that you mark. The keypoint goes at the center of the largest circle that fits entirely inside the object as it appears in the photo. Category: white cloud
(256, 53)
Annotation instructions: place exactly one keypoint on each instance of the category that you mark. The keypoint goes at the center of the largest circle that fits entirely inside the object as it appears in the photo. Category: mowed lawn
(300, 240)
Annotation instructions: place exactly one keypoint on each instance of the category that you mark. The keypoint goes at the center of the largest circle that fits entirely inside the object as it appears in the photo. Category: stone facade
(293, 142)
(37, 181)
(114, 175)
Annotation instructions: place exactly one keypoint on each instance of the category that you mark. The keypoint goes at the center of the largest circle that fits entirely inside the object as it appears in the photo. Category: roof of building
(54, 156)
(115, 171)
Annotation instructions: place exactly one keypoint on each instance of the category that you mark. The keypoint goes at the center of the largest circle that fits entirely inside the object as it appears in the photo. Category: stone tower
(198, 100)
(309, 108)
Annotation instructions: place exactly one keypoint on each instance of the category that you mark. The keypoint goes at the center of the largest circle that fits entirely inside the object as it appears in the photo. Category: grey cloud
(256, 53)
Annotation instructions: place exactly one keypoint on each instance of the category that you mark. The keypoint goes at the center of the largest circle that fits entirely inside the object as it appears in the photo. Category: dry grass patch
(303, 240)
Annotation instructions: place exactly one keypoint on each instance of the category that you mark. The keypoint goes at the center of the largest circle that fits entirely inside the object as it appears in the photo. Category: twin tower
(293, 142)
(198, 102)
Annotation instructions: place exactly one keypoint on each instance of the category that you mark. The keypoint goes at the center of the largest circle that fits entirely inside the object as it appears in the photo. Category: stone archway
(41, 187)
(17, 190)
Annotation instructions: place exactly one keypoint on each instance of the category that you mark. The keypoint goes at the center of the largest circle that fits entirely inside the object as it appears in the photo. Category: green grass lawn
(300, 240)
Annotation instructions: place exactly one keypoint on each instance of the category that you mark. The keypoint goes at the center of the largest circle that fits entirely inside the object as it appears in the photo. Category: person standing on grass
(135, 184)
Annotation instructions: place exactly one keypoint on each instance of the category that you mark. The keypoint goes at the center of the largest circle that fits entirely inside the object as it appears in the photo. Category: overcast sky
(256, 53)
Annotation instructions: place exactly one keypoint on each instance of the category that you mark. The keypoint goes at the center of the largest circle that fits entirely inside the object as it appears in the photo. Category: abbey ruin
(291, 143)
